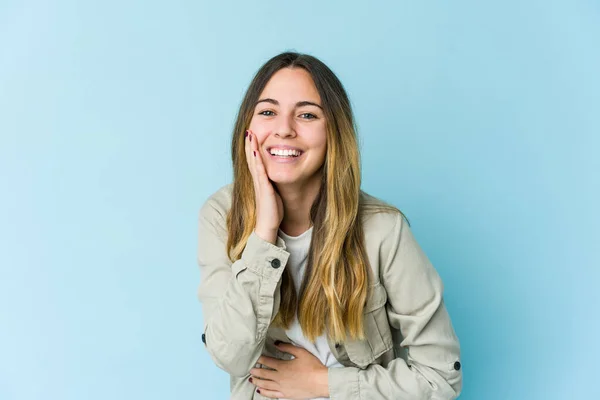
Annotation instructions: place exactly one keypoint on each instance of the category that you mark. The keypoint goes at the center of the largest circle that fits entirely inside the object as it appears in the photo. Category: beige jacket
(411, 350)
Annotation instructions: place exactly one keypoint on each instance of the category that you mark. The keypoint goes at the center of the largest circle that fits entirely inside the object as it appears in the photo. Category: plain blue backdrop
(480, 120)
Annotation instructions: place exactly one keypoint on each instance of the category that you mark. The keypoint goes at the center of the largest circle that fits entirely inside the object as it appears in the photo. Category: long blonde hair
(336, 281)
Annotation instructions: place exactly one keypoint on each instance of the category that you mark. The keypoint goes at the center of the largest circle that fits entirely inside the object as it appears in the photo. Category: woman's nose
(285, 127)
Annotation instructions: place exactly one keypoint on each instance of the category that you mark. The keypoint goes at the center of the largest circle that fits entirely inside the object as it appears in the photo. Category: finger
(252, 156)
(266, 384)
(290, 348)
(261, 172)
(270, 362)
(263, 373)
(272, 394)
(248, 151)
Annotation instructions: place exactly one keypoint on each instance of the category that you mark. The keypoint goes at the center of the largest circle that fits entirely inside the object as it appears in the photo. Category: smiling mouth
(286, 159)
(285, 153)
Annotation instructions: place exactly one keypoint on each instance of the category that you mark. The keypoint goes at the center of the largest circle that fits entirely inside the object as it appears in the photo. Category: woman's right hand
(269, 206)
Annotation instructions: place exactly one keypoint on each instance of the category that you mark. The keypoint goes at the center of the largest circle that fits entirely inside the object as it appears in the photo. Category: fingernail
(246, 134)
(257, 390)
(277, 342)
(254, 151)
(250, 380)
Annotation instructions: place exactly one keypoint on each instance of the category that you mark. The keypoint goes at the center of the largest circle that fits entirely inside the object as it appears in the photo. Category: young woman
(310, 287)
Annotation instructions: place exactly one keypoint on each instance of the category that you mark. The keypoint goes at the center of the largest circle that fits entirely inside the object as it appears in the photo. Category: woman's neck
(297, 200)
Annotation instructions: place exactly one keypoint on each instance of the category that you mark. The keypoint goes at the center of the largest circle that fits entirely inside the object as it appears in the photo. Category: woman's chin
(282, 179)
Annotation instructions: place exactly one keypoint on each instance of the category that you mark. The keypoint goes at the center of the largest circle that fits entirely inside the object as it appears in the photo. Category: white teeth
(285, 153)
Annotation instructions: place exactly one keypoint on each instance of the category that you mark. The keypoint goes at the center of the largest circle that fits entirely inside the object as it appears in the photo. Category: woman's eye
(308, 116)
(266, 113)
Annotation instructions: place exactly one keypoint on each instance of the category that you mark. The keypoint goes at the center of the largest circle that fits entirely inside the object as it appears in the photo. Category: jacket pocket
(377, 330)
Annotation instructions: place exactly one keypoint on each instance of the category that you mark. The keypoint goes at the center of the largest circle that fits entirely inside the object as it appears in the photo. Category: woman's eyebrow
(298, 104)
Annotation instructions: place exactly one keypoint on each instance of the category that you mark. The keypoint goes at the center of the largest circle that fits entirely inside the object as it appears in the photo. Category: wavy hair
(335, 286)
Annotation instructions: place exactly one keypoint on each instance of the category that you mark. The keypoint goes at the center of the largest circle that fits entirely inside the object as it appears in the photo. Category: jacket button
(275, 263)
(457, 365)
(203, 338)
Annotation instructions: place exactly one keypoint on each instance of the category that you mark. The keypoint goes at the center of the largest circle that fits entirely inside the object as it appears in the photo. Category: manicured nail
(277, 342)
(254, 153)
(246, 134)
(257, 390)
(250, 380)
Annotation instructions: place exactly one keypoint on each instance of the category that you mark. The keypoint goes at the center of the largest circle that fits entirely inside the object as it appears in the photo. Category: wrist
(266, 235)
(323, 382)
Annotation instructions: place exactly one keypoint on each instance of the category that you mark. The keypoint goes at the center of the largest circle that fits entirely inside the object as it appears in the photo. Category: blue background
(480, 120)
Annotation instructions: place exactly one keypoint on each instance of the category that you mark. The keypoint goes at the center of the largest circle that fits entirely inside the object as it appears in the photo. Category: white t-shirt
(298, 247)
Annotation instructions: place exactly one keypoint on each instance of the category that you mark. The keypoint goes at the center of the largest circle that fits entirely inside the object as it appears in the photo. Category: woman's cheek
(256, 125)
(260, 131)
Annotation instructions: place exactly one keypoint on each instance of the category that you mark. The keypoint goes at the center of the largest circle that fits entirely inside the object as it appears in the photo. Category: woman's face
(288, 116)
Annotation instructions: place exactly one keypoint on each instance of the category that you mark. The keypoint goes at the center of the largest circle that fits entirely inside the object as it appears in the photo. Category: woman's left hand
(303, 377)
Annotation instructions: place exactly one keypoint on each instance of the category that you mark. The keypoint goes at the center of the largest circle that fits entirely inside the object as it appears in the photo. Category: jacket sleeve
(416, 307)
(239, 299)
